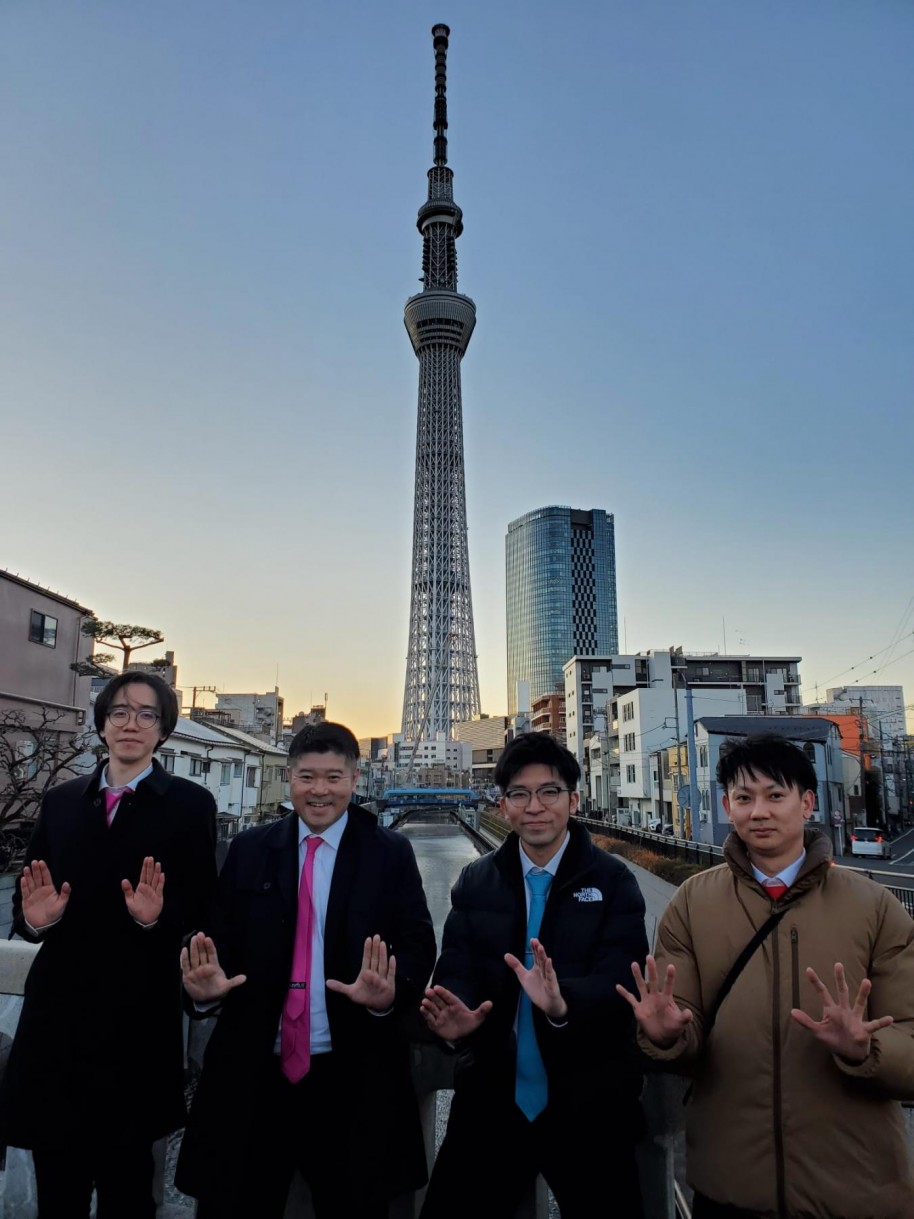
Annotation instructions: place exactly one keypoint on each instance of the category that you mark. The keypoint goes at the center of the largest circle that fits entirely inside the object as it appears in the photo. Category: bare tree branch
(35, 754)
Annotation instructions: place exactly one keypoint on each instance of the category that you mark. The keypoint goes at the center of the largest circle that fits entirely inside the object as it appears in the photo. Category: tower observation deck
(442, 682)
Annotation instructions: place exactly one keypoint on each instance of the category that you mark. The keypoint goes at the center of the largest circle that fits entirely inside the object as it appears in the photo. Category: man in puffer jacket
(794, 1111)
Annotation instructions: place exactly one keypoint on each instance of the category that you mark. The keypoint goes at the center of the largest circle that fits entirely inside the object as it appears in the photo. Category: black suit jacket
(98, 1051)
(376, 890)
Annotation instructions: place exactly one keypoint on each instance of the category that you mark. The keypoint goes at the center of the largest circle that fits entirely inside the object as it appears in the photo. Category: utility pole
(862, 761)
(201, 690)
(885, 792)
(694, 798)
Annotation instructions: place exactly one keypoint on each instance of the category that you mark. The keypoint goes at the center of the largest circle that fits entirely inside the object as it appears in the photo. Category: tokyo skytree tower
(442, 683)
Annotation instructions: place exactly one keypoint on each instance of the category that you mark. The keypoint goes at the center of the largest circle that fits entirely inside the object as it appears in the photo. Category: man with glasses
(122, 865)
(539, 934)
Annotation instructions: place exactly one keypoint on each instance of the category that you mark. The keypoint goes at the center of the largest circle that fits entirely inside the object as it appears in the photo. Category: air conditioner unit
(703, 818)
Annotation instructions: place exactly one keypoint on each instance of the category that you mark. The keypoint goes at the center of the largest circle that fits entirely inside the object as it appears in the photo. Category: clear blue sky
(688, 235)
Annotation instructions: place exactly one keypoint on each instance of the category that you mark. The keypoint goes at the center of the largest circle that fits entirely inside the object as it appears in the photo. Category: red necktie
(112, 800)
(775, 889)
(295, 1044)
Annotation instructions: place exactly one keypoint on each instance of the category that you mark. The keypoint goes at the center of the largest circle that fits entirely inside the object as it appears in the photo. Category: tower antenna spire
(440, 35)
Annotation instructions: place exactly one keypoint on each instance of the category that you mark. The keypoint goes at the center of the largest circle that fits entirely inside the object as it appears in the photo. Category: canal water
(442, 851)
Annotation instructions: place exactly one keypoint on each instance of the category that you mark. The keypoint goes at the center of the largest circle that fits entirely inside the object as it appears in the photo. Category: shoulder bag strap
(735, 970)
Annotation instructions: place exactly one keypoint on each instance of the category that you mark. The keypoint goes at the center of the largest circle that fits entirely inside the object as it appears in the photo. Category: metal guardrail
(905, 894)
(681, 1203)
(703, 853)
(707, 855)
(494, 825)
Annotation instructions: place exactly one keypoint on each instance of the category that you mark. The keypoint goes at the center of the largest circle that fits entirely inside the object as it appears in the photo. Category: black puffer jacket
(593, 928)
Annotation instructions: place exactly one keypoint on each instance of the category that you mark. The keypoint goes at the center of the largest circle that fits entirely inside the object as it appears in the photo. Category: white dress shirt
(787, 875)
(324, 863)
(131, 786)
(527, 865)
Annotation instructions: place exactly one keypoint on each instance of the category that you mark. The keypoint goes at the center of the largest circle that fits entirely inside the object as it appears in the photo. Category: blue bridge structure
(407, 798)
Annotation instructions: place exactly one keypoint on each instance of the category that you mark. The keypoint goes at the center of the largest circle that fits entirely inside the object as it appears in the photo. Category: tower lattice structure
(442, 681)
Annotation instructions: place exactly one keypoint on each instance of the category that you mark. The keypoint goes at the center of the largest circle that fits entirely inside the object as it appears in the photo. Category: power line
(853, 668)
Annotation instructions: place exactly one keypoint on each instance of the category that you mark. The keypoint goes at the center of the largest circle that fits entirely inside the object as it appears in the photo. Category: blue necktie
(531, 1088)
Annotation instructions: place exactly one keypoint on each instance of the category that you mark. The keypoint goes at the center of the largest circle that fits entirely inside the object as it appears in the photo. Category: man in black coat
(123, 866)
(539, 934)
(346, 1116)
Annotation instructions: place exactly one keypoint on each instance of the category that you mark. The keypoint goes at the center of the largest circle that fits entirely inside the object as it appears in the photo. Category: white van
(868, 840)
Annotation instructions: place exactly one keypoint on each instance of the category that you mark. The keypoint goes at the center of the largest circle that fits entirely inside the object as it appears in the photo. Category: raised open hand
(539, 982)
(658, 1016)
(449, 1016)
(146, 901)
(204, 978)
(42, 904)
(375, 985)
(842, 1027)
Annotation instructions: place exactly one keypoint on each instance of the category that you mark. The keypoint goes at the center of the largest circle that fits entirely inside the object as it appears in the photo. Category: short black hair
(165, 697)
(768, 754)
(537, 749)
(324, 738)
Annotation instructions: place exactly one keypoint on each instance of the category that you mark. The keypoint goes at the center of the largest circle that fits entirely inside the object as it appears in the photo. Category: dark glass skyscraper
(561, 594)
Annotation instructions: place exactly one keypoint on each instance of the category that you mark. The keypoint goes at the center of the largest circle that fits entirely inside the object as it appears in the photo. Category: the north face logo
(589, 895)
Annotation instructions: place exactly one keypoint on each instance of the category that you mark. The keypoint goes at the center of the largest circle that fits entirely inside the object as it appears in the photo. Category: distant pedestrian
(785, 986)
(122, 865)
(548, 1080)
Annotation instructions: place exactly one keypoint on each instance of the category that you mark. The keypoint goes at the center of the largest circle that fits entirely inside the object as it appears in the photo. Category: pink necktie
(112, 800)
(295, 1046)
(775, 889)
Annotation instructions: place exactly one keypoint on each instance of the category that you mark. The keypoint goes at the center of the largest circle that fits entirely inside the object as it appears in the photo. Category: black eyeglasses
(144, 718)
(519, 797)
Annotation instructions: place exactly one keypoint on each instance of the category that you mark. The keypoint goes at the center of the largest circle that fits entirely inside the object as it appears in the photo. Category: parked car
(654, 825)
(667, 829)
(868, 840)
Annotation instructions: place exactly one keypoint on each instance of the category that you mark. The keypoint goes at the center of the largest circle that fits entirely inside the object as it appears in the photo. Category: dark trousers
(304, 1127)
(555, 1144)
(121, 1176)
(704, 1208)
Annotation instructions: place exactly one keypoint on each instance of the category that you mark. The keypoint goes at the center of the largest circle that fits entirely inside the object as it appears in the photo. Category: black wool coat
(376, 890)
(592, 928)
(98, 1051)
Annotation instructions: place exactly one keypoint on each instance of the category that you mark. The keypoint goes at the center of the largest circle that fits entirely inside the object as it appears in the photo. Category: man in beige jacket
(794, 1111)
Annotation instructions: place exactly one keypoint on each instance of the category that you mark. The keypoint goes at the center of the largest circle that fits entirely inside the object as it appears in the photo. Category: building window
(628, 742)
(226, 777)
(251, 778)
(702, 755)
(168, 762)
(42, 629)
(27, 768)
(237, 770)
(198, 767)
(628, 711)
(629, 774)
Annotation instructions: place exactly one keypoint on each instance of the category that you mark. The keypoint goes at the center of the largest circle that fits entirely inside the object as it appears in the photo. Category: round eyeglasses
(144, 719)
(519, 797)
